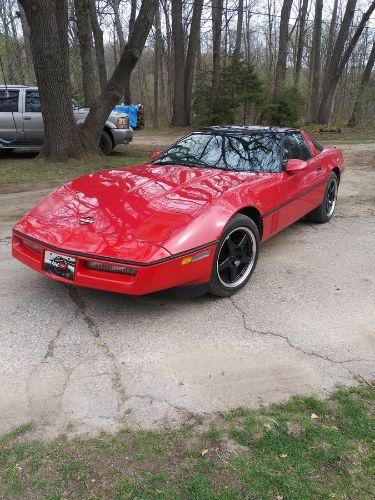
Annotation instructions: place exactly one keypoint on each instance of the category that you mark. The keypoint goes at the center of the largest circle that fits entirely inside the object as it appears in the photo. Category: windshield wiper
(193, 163)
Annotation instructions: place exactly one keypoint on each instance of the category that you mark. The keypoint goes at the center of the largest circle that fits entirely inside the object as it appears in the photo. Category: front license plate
(59, 265)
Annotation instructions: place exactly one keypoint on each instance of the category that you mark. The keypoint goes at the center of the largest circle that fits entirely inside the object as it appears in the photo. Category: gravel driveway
(79, 360)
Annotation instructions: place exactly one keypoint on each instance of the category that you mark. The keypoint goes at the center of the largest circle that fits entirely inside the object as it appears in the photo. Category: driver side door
(300, 191)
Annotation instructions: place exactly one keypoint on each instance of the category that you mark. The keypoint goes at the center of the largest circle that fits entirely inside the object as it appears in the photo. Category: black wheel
(106, 143)
(325, 211)
(236, 256)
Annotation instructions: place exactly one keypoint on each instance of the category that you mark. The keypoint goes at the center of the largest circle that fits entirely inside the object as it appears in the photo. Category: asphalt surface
(79, 360)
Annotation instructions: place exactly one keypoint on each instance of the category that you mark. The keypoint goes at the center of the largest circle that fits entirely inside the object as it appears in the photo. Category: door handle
(27, 117)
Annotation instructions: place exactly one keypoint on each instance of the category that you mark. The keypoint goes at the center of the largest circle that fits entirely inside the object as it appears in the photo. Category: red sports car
(195, 214)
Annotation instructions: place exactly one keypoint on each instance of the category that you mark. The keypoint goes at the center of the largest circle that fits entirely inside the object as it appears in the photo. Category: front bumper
(151, 277)
(122, 135)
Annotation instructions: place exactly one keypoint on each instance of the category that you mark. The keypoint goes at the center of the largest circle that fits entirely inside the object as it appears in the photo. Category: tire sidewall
(327, 217)
(215, 286)
(107, 146)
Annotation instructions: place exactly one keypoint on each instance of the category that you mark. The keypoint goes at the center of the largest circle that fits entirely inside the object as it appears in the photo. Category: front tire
(106, 144)
(325, 210)
(236, 256)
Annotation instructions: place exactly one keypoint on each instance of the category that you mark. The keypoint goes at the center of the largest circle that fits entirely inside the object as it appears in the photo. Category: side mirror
(295, 166)
(155, 155)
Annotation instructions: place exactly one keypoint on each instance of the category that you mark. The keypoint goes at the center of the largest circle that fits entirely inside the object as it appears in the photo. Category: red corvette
(195, 214)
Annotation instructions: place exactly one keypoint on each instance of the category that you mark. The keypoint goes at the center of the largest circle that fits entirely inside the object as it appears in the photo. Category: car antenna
(4, 141)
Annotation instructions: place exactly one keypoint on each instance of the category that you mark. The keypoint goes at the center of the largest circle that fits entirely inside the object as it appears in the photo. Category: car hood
(126, 213)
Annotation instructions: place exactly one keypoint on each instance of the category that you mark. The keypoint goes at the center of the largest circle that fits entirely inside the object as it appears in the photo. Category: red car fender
(208, 226)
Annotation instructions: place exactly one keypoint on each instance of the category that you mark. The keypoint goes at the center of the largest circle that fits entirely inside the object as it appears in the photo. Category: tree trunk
(237, 47)
(99, 46)
(315, 60)
(84, 33)
(331, 33)
(301, 41)
(178, 117)
(340, 58)
(328, 93)
(133, 13)
(283, 49)
(157, 66)
(191, 57)
(26, 35)
(118, 26)
(99, 112)
(217, 13)
(354, 119)
(48, 21)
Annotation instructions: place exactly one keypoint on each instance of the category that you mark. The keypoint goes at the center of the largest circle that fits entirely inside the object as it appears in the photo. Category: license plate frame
(59, 265)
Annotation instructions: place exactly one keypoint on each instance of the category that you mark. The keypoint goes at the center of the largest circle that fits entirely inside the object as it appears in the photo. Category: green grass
(20, 171)
(305, 448)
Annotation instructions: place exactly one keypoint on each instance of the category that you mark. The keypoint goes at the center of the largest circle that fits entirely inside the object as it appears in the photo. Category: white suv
(21, 121)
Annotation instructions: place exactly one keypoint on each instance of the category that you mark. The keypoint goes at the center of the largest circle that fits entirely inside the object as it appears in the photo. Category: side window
(8, 101)
(32, 104)
(291, 147)
(305, 153)
(296, 148)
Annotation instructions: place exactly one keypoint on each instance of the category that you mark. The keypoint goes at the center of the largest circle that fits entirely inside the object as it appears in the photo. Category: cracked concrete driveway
(79, 360)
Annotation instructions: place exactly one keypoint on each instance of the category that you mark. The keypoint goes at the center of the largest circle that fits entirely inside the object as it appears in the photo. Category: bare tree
(237, 47)
(301, 41)
(84, 33)
(283, 49)
(10, 67)
(115, 4)
(99, 112)
(340, 58)
(332, 32)
(133, 13)
(191, 58)
(315, 60)
(217, 13)
(99, 46)
(178, 117)
(361, 94)
(157, 66)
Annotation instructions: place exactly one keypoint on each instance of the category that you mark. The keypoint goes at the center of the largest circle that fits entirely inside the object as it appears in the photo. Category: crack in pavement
(182, 409)
(51, 344)
(296, 347)
(81, 313)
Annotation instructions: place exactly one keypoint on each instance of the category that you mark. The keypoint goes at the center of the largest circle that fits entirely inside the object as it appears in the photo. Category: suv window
(32, 104)
(8, 101)
(296, 148)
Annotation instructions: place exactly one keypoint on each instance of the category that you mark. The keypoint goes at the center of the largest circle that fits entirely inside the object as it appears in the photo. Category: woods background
(234, 61)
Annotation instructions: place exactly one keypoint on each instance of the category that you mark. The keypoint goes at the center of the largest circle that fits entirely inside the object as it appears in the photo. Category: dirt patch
(357, 190)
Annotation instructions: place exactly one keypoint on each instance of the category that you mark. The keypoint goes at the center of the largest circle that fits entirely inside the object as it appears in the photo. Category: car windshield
(254, 152)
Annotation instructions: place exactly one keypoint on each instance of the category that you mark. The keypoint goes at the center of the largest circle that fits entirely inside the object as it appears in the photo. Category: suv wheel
(106, 143)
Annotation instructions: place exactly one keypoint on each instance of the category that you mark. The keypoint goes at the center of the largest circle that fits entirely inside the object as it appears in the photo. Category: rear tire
(325, 210)
(106, 144)
(236, 256)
